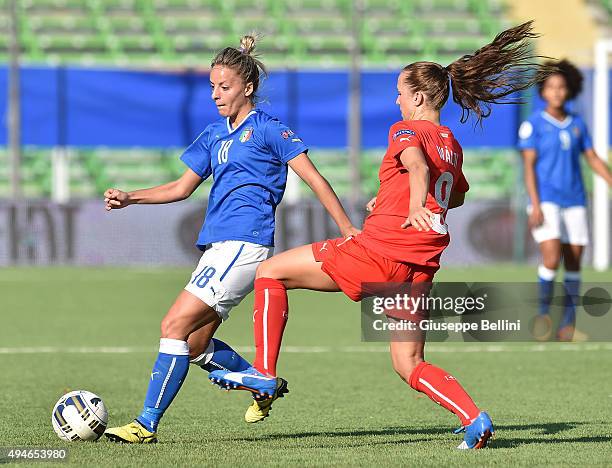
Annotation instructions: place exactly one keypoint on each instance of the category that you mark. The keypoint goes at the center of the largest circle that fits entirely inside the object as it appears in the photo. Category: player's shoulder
(530, 125)
(212, 128)
(403, 127)
(577, 119)
(262, 119)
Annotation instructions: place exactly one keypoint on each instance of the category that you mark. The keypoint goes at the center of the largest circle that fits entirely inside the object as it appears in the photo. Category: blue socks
(170, 370)
(546, 280)
(220, 356)
(571, 284)
(167, 376)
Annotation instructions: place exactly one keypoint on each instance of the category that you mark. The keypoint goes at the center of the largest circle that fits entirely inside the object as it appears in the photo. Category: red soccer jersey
(382, 232)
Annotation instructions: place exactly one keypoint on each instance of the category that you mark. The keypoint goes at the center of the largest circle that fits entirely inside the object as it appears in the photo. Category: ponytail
(495, 71)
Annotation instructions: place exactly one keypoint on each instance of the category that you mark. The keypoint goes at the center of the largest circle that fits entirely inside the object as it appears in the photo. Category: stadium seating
(296, 32)
(492, 173)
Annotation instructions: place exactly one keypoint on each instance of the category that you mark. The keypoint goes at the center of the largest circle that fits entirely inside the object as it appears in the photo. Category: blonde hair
(243, 61)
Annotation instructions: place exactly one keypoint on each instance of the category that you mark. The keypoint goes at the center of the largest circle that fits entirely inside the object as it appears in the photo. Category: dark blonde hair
(244, 62)
(500, 68)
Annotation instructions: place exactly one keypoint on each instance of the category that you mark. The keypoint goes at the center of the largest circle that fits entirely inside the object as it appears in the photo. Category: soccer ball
(79, 415)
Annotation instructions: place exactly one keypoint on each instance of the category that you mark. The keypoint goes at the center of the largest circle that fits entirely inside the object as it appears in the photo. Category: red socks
(269, 318)
(444, 389)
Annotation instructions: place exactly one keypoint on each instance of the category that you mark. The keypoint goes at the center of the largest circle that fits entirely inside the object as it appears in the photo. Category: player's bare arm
(536, 217)
(177, 190)
(371, 205)
(305, 169)
(413, 159)
(598, 165)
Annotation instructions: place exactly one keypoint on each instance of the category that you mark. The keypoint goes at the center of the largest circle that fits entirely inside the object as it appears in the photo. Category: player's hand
(419, 218)
(536, 217)
(350, 231)
(115, 199)
(371, 204)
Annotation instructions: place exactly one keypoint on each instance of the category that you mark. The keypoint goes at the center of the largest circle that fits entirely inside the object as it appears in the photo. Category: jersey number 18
(222, 153)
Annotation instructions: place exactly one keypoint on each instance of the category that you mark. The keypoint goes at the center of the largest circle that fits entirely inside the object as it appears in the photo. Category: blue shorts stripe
(232, 264)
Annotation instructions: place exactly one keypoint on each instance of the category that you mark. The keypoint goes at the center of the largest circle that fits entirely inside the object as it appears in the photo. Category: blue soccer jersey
(558, 146)
(249, 167)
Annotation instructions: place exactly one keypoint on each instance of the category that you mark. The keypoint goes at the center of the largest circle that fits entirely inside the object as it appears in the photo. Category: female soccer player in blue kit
(247, 153)
(551, 142)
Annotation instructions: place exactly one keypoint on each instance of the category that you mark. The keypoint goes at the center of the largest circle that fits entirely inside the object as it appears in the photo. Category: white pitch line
(455, 348)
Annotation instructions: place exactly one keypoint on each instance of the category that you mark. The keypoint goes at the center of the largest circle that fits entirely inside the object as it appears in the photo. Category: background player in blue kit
(552, 141)
(247, 153)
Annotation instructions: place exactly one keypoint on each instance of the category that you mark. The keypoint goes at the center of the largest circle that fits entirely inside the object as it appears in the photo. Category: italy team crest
(246, 135)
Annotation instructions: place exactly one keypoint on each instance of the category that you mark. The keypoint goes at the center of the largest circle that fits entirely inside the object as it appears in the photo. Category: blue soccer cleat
(478, 433)
(250, 379)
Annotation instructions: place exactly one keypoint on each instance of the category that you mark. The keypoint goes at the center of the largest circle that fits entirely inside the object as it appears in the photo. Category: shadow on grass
(513, 443)
(544, 428)
(541, 429)
(349, 433)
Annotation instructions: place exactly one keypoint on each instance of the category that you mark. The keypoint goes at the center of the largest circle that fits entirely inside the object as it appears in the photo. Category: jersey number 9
(446, 178)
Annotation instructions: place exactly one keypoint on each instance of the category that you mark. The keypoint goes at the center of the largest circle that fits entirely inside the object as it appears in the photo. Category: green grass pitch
(346, 406)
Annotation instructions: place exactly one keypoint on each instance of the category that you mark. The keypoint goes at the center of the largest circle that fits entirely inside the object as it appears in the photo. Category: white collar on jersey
(232, 130)
(557, 123)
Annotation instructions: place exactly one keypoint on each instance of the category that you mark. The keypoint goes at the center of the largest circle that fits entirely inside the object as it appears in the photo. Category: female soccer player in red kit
(405, 235)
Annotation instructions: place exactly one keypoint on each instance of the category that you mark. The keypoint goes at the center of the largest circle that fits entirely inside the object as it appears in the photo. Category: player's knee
(551, 262)
(404, 367)
(265, 270)
(196, 348)
(571, 264)
(171, 327)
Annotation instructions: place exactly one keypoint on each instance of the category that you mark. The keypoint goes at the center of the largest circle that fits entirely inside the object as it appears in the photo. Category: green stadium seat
(69, 23)
(325, 45)
(456, 45)
(72, 43)
(200, 6)
(136, 44)
(386, 8)
(124, 25)
(448, 26)
(442, 6)
(195, 26)
(318, 7)
(180, 32)
(267, 28)
(202, 44)
(381, 27)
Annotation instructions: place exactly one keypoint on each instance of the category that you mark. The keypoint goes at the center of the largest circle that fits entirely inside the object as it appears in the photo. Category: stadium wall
(43, 233)
(120, 108)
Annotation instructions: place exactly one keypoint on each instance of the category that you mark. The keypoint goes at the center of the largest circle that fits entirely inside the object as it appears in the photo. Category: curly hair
(573, 77)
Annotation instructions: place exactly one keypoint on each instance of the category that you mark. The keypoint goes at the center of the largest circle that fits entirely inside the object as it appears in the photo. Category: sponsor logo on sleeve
(525, 130)
(287, 133)
(404, 131)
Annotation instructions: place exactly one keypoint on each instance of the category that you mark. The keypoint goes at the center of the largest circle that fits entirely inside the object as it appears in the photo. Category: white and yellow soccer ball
(79, 415)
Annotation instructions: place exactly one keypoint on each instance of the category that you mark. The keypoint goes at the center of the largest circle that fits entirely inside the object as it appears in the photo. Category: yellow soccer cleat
(260, 408)
(132, 433)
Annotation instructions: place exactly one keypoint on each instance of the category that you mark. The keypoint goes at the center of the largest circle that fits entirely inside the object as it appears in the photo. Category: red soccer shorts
(351, 265)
